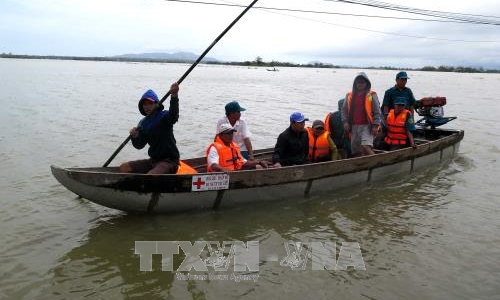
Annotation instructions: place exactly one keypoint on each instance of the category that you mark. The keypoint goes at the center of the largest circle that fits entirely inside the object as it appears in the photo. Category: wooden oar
(186, 74)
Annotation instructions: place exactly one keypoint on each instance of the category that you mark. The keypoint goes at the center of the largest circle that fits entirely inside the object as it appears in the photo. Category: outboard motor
(431, 109)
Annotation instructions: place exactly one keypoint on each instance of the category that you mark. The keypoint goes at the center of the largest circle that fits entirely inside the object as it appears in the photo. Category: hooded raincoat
(157, 129)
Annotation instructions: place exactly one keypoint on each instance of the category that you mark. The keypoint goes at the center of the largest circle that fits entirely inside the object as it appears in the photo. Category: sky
(114, 27)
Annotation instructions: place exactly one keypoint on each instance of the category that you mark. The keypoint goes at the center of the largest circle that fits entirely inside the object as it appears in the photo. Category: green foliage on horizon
(258, 62)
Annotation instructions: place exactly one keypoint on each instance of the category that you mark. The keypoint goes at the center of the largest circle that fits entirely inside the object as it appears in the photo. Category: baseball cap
(298, 117)
(400, 101)
(318, 124)
(225, 128)
(233, 106)
(403, 75)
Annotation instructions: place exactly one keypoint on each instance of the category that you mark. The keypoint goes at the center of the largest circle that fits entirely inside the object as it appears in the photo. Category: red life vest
(229, 156)
(396, 128)
(318, 145)
(368, 105)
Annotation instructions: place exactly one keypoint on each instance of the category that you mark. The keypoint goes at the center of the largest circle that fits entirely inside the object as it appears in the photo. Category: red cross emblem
(198, 183)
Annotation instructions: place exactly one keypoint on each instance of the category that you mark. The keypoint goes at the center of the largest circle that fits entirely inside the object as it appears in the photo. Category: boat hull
(141, 193)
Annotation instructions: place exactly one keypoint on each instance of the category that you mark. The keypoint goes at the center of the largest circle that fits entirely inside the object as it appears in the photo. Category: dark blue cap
(403, 75)
(233, 106)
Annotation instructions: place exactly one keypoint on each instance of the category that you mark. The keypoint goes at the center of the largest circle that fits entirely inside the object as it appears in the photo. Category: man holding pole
(126, 168)
(157, 130)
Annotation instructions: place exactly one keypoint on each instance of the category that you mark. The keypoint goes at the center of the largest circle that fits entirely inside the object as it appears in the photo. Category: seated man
(400, 125)
(224, 155)
(156, 129)
(321, 146)
(333, 124)
(242, 135)
(292, 147)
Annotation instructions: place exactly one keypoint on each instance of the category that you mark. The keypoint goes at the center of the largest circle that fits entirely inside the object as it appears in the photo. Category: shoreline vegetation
(258, 62)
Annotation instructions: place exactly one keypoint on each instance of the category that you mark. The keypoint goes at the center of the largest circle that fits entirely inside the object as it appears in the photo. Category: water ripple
(417, 233)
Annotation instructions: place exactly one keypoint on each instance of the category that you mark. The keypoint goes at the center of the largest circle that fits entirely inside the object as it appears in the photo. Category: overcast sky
(113, 27)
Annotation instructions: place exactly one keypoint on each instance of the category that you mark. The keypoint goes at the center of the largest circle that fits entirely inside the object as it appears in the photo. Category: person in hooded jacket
(361, 115)
(156, 129)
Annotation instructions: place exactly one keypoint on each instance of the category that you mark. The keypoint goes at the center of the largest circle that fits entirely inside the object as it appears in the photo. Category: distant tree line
(258, 62)
(458, 69)
(94, 58)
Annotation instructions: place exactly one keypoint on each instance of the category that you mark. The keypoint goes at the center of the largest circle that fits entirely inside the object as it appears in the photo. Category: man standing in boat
(157, 130)
(399, 91)
(361, 116)
(242, 134)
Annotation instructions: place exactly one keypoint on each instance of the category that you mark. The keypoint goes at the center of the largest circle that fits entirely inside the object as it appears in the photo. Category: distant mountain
(177, 56)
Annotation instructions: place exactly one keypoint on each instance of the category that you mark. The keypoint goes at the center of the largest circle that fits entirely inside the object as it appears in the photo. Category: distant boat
(273, 69)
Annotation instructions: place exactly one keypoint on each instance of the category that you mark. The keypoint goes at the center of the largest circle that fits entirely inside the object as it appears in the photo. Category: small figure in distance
(242, 134)
(361, 116)
(400, 126)
(399, 91)
(333, 123)
(292, 146)
(321, 146)
(224, 154)
(156, 129)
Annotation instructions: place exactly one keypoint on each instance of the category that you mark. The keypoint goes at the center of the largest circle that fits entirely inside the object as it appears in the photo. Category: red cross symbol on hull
(199, 183)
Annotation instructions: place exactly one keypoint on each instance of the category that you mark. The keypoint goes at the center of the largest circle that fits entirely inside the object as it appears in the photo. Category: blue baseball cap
(298, 117)
(400, 101)
(233, 106)
(402, 75)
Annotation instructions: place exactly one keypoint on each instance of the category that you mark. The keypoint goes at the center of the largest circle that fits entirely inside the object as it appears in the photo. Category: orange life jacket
(185, 168)
(368, 105)
(327, 120)
(229, 156)
(396, 128)
(318, 145)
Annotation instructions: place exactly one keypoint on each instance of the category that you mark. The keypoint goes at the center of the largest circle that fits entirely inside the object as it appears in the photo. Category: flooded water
(433, 235)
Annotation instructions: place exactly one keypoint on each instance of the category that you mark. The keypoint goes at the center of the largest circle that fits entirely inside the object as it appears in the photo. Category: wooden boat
(142, 193)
